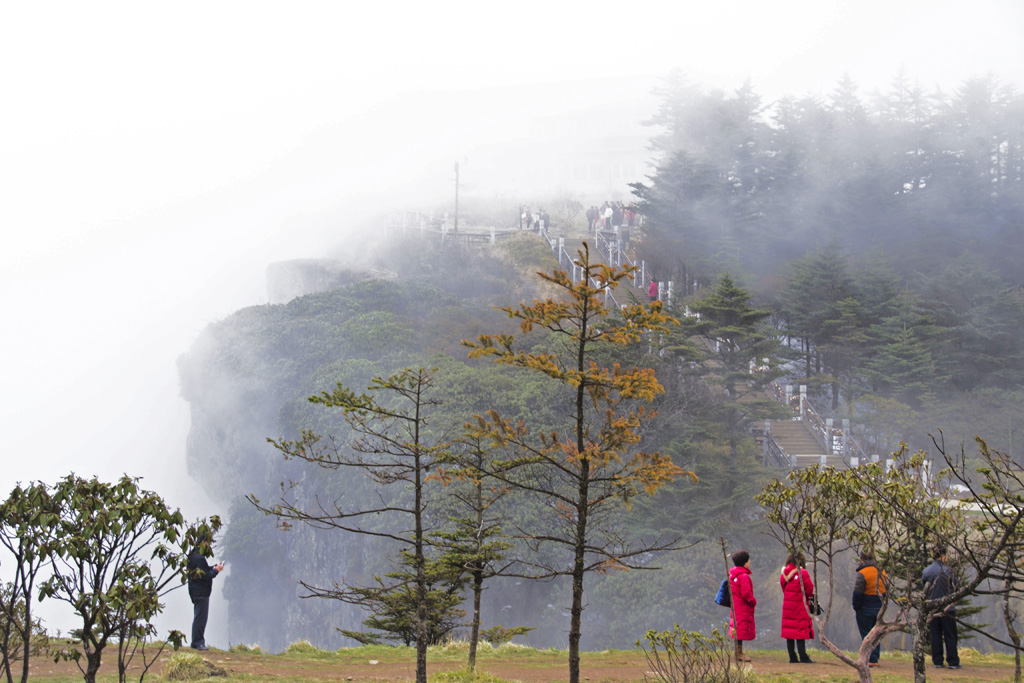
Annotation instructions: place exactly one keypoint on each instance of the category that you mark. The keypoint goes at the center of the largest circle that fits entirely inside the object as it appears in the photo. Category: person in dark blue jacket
(939, 580)
(200, 586)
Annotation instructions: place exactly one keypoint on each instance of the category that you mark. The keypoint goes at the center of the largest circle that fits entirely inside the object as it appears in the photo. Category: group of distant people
(868, 590)
(610, 215)
(538, 221)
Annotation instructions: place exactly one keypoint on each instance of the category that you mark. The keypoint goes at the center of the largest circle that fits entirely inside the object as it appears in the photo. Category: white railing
(412, 221)
(836, 440)
(566, 261)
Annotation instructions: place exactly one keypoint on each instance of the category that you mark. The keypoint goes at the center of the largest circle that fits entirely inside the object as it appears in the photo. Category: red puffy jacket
(743, 604)
(796, 622)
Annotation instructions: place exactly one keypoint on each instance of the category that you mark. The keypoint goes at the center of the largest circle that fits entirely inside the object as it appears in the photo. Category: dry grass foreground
(303, 663)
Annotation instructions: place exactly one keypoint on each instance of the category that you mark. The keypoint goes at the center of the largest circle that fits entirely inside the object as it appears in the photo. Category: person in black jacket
(200, 586)
(938, 579)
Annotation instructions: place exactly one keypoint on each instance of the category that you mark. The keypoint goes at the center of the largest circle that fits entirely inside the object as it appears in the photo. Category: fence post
(561, 248)
(668, 295)
(846, 438)
(803, 401)
(643, 274)
(828, 435)
(494, 240)
(855, 461)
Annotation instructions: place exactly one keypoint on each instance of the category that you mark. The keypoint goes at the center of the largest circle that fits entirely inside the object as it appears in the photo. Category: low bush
(499, 635)
(303, 647)
(189, 666)
(242, 648)
(679, 656)
(466, 676)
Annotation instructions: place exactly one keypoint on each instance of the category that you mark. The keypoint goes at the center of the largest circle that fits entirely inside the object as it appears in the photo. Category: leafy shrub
(679, 656)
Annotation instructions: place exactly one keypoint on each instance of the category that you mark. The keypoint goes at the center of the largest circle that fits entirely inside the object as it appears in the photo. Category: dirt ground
(629, 669)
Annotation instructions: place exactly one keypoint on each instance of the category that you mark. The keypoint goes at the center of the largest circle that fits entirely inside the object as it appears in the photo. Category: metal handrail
(560, 252)
(640, 279)
(817, 426)
(773, 453)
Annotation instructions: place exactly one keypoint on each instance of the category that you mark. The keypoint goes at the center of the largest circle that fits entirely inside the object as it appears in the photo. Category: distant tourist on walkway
(797, 592)
(868, 589)
(652, 291)
(939, 581)
(741, 623)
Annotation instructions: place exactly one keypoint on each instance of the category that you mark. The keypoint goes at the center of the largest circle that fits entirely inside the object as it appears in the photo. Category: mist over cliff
(814, 204)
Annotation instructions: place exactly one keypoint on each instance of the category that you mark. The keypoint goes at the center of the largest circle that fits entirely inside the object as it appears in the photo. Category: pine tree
(587, 473)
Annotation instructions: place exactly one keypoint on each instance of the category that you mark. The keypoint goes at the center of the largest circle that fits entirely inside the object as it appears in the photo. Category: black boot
(792, 652)
(802, 649)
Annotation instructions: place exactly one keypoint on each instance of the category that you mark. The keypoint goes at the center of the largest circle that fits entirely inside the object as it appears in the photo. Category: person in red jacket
(741, 623)
(797, 591)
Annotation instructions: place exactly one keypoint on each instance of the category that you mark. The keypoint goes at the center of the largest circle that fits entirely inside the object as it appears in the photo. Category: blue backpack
(724, 597)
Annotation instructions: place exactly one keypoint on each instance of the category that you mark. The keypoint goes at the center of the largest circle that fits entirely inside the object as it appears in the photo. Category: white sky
(154, 158)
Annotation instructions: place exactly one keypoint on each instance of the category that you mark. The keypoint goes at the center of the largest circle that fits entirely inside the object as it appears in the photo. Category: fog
(153, 161)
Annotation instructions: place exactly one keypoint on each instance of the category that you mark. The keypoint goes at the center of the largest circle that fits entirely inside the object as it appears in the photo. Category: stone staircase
(796, 439)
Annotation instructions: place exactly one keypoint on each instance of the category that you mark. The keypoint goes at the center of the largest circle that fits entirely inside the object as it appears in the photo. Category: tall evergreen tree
(592, 468)
(903, 369)
(742, 355)
(393, 445)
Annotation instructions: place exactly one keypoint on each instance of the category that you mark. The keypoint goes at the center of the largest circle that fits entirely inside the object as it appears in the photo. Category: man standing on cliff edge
(200, 586)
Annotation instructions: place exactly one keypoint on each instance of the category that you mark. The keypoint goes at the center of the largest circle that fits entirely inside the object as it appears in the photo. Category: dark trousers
(865, 622)
(200, 614)
(943, 631)
(801, 648)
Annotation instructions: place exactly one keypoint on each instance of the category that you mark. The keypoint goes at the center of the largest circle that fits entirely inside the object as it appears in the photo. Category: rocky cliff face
(247, 379)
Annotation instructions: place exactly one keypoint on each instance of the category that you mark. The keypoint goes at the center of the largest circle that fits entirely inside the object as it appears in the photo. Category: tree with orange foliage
(586, 475)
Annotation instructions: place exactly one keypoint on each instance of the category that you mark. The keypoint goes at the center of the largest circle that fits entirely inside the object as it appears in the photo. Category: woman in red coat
(741, 623)
(797, 591)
